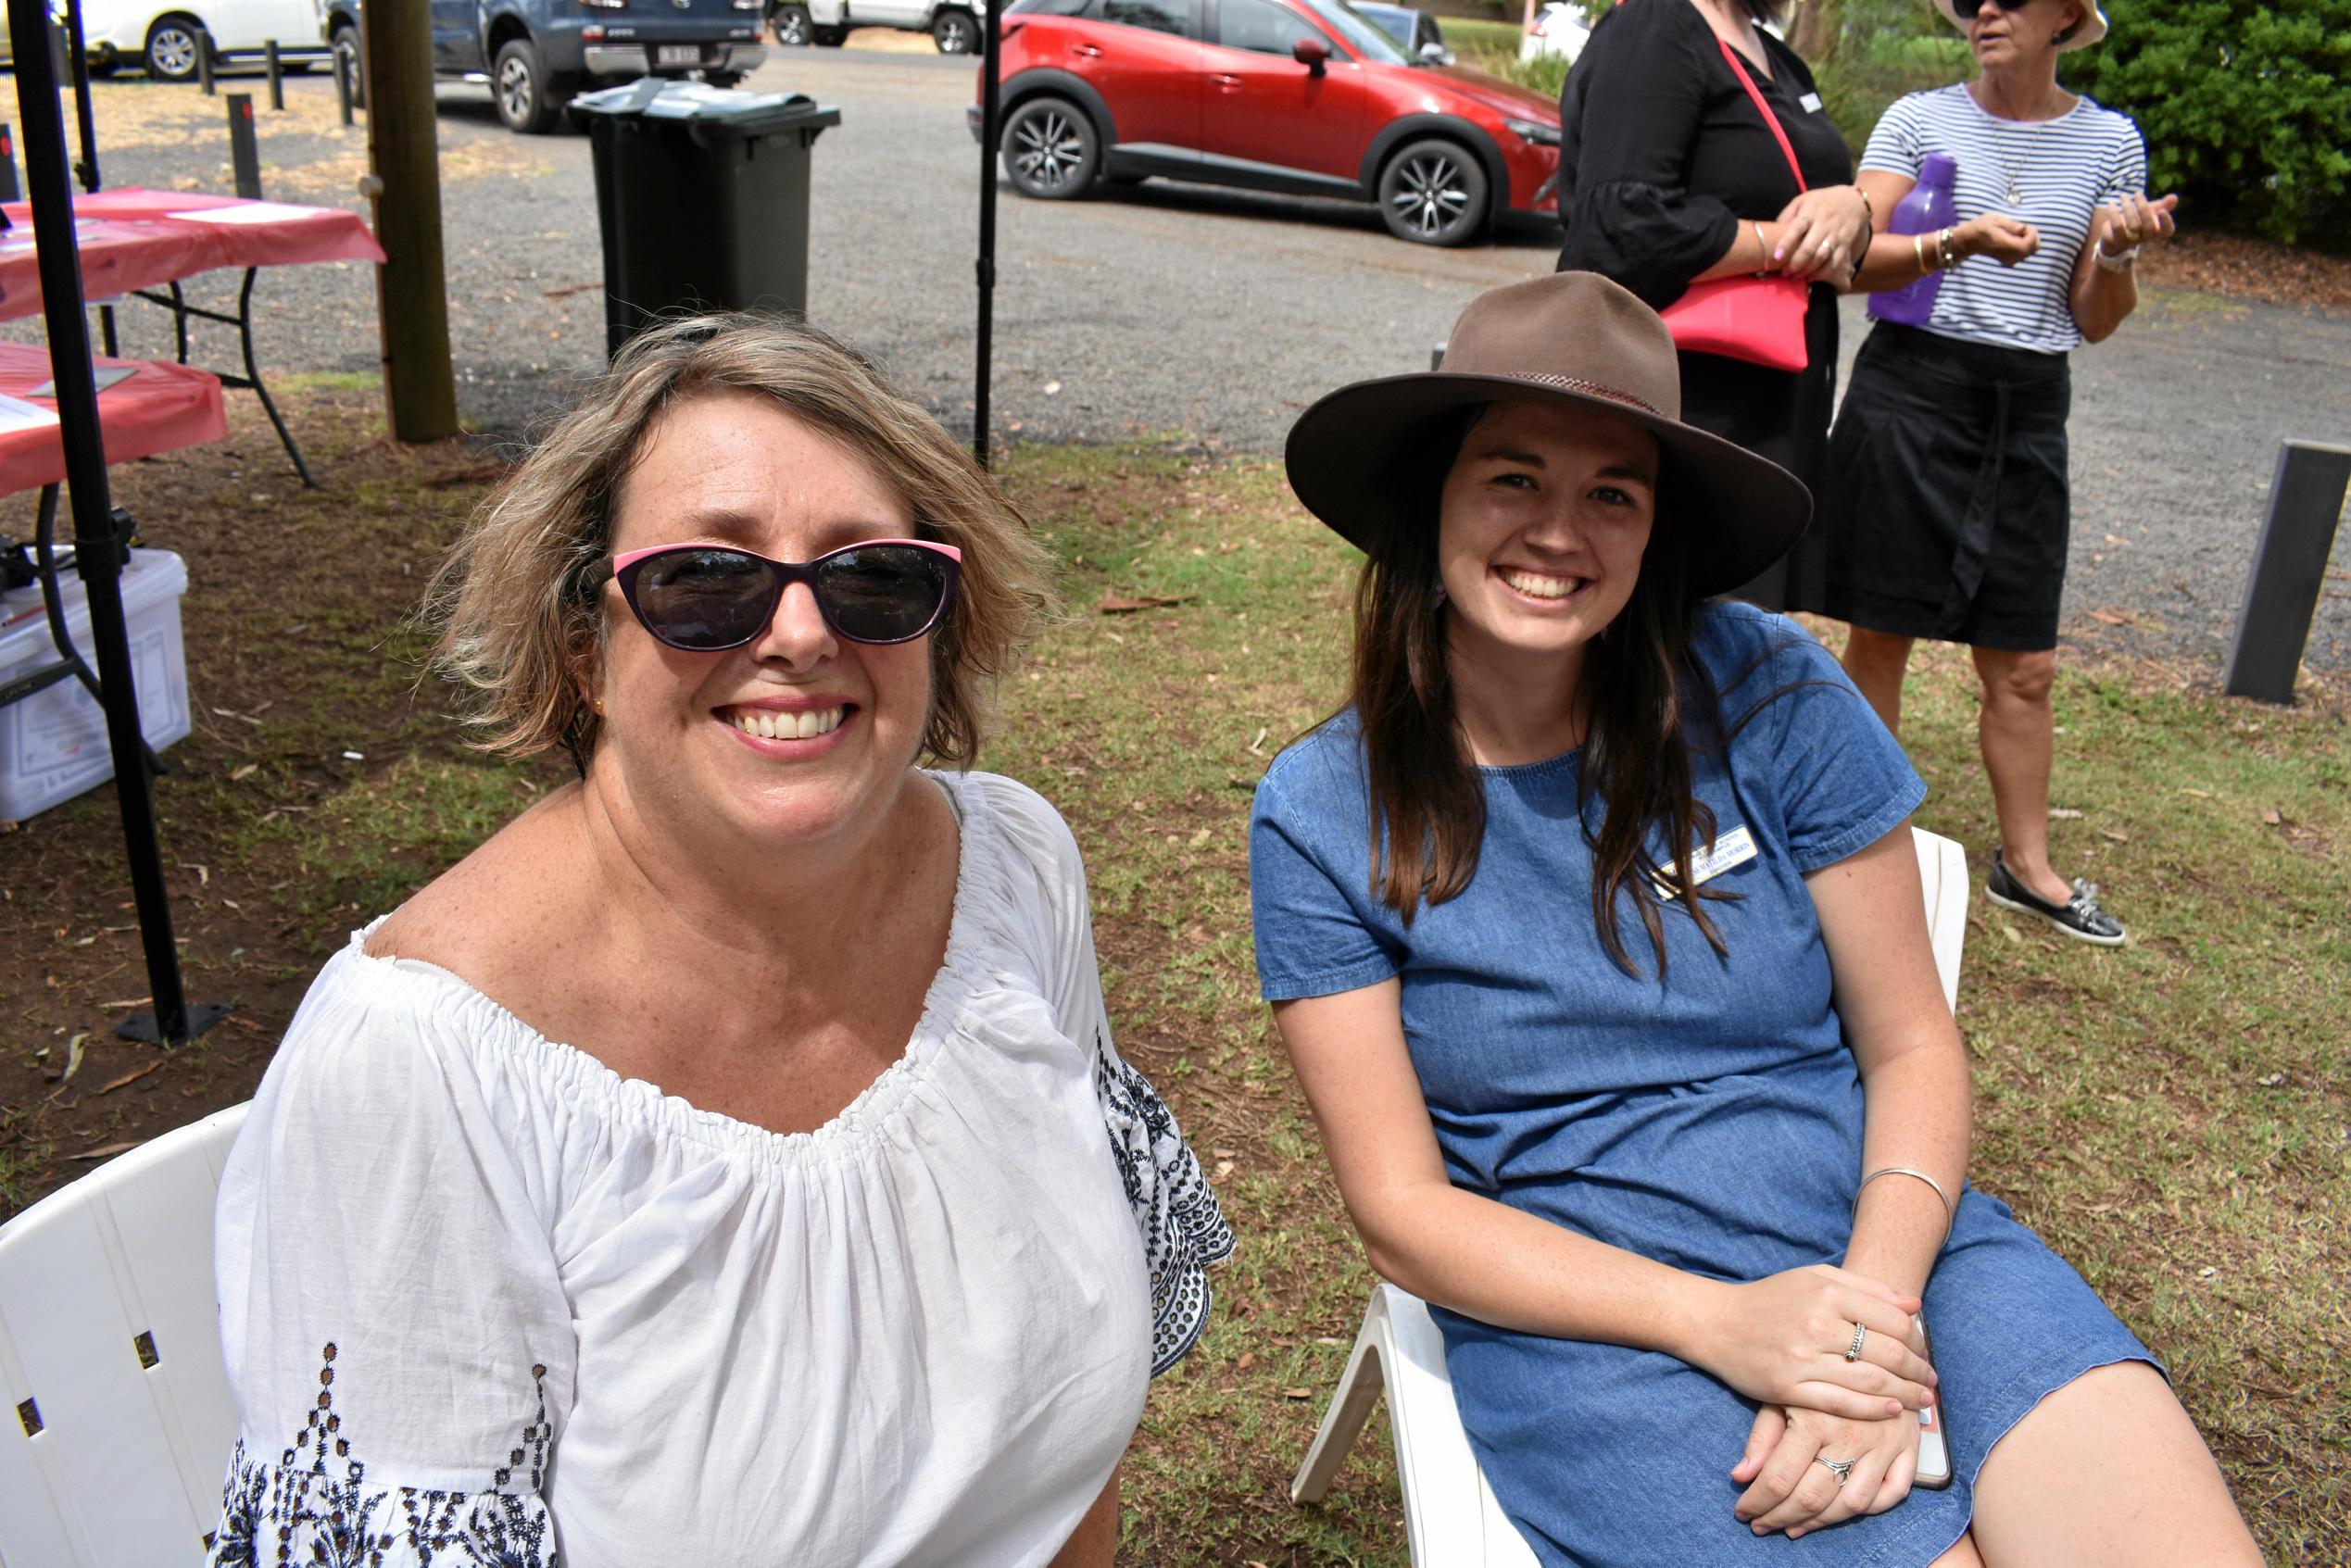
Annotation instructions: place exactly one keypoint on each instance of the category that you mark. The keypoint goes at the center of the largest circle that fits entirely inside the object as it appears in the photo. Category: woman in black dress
(1668, 176)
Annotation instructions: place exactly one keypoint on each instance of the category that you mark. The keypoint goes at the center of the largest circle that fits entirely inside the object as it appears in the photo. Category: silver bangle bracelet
(1949, 1215)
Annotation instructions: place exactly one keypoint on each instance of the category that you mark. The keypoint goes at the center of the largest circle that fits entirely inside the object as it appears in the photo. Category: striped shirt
(2065, 167)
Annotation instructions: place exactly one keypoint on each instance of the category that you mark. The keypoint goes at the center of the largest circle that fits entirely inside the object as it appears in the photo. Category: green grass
(2172, 1116)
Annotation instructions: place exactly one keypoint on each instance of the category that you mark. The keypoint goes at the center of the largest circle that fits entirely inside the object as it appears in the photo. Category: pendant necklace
(2014, 194)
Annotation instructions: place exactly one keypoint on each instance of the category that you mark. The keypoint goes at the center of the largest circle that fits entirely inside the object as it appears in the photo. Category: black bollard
(343, 65)
(204, 61)
(277, 82)
(9, 191)
(2289, 570)
(244, 153)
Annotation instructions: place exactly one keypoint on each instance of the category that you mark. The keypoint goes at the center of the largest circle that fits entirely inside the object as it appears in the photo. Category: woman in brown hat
(1595, 935)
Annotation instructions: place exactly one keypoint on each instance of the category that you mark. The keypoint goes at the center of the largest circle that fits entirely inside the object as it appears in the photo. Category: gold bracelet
(1919, 250)
(1946, 249)
(1763, 247)
(1950, 1217)
(1868, 209)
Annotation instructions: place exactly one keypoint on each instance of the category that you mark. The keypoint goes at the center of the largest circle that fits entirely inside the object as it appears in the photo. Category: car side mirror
(1310, 53)
(1436, 54)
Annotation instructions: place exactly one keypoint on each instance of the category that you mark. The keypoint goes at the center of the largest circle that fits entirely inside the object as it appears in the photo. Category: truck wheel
(1050, 150)
(722, 78)
(827, 37)
(1433, 192)
(346, 59)
(520, 88)
(792, 26)
(173, 44)
(955, 32)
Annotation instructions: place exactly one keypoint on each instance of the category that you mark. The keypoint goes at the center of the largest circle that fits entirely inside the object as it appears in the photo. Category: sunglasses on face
(705, 598)
(1966, 9)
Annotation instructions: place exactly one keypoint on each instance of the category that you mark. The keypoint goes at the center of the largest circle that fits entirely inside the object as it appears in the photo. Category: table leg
(253, 378)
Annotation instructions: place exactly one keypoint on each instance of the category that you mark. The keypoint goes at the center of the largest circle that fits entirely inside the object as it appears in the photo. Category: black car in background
(536, 54)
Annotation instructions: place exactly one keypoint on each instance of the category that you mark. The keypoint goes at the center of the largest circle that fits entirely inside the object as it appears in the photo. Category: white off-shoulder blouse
(486, 1301)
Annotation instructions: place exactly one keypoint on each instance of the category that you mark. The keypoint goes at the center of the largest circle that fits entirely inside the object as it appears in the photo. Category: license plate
(677, 55)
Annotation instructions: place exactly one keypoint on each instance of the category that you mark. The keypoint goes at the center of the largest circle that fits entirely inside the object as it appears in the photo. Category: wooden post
(411, 287)
(2289, 570)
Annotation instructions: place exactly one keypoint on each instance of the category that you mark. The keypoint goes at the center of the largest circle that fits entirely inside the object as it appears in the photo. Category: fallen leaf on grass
(73, 1058)
(1199, 838)
(1119, 604)
(1287, 1393)
(562, 290)
(129, 1078)
(2114, 618)
(1224, 1169)
(1247, 1359)
(2199, 793)
(2064, 814)
(2115, 833)
(1261, 732)
(239, 775)
(2010, 932)
(2274, 816)
(127, 1002)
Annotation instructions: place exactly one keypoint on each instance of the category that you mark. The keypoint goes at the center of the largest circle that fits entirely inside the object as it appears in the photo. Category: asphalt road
(1212, 317)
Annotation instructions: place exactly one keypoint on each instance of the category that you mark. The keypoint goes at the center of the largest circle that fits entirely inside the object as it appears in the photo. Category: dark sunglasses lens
(883, 594)
(1966, 9)
(705, 598)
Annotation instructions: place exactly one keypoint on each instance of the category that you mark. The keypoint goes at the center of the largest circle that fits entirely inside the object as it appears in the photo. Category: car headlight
(1528, 131)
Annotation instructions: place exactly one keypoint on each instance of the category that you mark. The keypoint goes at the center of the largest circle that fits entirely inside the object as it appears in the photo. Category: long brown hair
(1645, 694)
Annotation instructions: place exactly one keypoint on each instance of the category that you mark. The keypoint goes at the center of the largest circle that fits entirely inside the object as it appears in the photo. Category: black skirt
(1948, 502)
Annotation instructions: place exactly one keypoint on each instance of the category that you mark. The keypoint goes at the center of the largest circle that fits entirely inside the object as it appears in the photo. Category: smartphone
(1934, 1452)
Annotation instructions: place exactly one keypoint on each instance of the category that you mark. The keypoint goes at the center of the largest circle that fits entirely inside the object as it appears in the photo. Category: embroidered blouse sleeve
(1183, 1227)
(395, 1329)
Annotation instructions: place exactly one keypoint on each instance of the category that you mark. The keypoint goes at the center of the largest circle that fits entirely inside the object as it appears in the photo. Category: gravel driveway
(1168, 311)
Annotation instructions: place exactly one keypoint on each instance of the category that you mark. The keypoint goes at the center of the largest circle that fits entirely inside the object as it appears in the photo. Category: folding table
(135, 241)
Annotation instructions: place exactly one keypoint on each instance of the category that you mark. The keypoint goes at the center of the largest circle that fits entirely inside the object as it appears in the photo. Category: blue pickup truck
(536, 54)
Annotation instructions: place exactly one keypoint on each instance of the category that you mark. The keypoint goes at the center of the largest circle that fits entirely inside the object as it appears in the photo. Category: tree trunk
(411, 287)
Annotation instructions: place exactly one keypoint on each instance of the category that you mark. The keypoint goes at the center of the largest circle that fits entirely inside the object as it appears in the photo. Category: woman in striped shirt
(1948, 508)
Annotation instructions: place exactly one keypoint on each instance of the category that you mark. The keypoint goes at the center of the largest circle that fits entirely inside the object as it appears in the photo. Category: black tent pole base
(142, 1026)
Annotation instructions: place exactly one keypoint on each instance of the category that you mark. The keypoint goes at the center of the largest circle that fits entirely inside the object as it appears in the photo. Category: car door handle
(1086, 50)
(1222, 80)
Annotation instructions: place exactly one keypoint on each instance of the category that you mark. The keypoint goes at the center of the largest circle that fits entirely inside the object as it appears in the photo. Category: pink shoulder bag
(1761, 319)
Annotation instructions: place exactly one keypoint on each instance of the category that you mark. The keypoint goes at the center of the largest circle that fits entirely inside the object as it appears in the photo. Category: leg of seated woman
(2015, 731)
(1875, 662)
(1964, 1555)
(2107, 1471)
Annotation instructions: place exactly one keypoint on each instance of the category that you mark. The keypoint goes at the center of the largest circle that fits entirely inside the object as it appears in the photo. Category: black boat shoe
(2079, 917)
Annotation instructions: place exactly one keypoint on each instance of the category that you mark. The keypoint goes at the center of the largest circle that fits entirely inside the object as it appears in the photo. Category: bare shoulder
(496, 900)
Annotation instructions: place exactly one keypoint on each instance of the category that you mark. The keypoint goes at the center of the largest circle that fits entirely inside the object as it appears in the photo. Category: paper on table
(16, 414)
(243, 212)
(105, 379)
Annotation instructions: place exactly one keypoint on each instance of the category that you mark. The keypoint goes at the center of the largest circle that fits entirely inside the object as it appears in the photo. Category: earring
(599, 708)
(1440, 597)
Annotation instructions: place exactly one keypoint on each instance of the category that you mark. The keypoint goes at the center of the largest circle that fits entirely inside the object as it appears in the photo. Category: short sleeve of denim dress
(1709, 1118)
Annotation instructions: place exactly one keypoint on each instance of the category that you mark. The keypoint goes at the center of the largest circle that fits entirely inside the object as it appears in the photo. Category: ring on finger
(1841, 1468)
(1853, 1351)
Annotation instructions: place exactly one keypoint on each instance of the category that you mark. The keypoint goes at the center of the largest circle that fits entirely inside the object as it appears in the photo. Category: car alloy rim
(514, 88)
(1430, 195)
(955, 35)
(791, 27)
(174, 52)
(1047, 149)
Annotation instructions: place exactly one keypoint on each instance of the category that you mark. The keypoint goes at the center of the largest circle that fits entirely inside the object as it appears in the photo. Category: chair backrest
(1943, 869)
(120, 1421)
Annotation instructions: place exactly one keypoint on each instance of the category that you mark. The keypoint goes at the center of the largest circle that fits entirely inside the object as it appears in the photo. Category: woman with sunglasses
(1948, 504)
(1592, 925)
(728, 1160)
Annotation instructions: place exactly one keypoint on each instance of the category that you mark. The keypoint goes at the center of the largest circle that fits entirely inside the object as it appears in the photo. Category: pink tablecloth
(155, 409)
(138, 239)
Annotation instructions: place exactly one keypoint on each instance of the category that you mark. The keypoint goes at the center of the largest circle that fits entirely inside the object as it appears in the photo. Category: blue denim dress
(1711, 1120)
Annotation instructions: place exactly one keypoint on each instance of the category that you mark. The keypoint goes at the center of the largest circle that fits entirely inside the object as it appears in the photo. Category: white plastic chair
(1450, 1517)
(120, 1421)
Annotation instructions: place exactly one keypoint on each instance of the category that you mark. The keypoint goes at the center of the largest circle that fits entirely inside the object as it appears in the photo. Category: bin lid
(704, 107)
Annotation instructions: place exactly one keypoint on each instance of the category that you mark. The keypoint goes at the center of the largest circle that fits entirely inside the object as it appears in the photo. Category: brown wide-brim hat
(1573, 338)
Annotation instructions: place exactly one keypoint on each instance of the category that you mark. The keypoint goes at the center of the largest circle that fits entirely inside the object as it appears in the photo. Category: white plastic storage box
(52, 745)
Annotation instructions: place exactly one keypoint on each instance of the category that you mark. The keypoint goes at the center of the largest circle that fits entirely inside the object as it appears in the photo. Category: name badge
(1809, 103)
(1733, 849)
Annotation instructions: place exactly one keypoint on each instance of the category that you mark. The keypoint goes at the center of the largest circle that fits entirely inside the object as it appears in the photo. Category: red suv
(1299, 96)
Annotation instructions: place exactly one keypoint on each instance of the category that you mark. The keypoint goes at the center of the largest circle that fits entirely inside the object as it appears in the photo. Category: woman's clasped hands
(1836, 1358)
(1821, 234)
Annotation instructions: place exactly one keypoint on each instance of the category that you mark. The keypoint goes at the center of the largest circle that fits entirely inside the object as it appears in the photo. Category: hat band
(1590, 388)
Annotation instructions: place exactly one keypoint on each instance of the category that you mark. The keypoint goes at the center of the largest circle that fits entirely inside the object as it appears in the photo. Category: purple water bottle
(1927, 209)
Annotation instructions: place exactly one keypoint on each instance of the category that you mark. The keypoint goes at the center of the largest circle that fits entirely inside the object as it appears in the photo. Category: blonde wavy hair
(521, 631)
